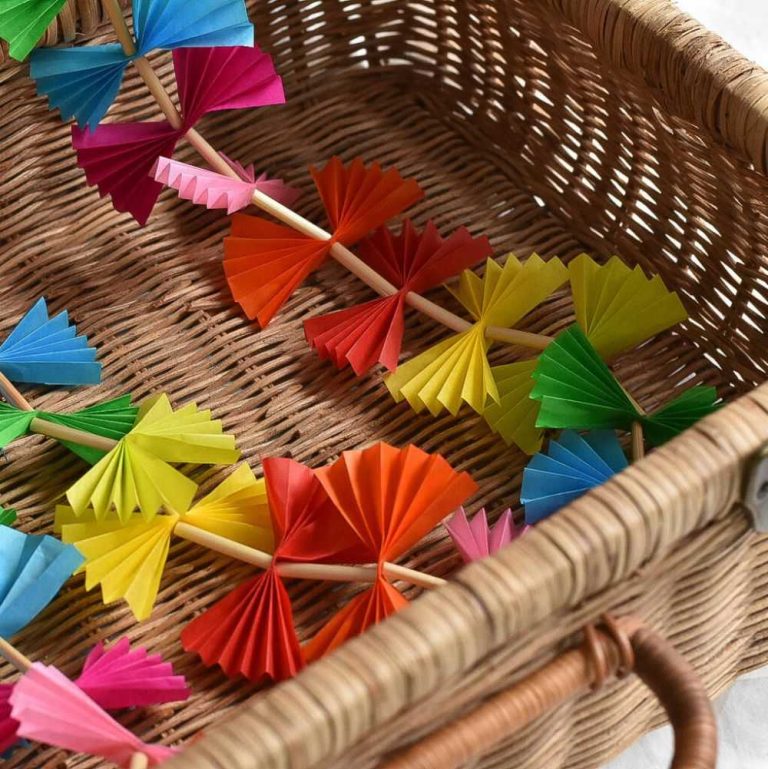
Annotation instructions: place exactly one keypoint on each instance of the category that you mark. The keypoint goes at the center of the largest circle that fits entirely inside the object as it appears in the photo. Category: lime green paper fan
(514, 416)
(13, 423)
(680, 414)
(7, 516)
(23, 23)
(619, 308)
(138, 472)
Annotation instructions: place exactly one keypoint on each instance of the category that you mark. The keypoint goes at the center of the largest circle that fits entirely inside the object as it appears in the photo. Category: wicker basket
(611, 126)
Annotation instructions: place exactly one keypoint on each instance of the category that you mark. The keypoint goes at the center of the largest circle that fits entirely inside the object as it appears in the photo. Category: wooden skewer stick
(14, 656)
(139, 761)
(638, 440)
(51, 429)
(319, 571)
(340, 253)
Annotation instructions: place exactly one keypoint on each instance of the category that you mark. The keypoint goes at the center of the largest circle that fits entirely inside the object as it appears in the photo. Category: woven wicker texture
(519, 128)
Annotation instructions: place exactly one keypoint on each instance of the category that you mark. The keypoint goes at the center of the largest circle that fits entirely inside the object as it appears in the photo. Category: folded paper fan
(119, 158)
(32, 571)
(577, 390)
(475, 539)
(170, 24)
(45, 350)
(456, 370)
(513, 417)
(215, 190)
(619, 308)
(7, 516)
(572, 465)
(127, 559)
(112, 419)
(52, 709)
(121, 677)
(137, 473)
(8, 726)
(250, 632)
(265, 263)
(360, 336)
(23, 23)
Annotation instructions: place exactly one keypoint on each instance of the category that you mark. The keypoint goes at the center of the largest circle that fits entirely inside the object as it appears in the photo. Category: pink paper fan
(475, 539)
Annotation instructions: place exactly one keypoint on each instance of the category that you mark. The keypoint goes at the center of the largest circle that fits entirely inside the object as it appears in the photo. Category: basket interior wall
(505, 116)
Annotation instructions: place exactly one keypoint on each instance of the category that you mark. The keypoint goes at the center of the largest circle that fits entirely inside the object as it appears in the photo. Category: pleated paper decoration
(265, 262)
(412, 261)
(112, 419)
(214, 190)
(250, 632)
(7, 516)
(115, 679)
(619, 308)
(138, 472)
(390, 498)
(456, 370)
(514, 415)
(51, 709)
(578, 391)
(32, 571)
(48, 351)
(119, 158)
(23, 23)
(475, 539)
(572, 465)
(127, 559)
(83, 82)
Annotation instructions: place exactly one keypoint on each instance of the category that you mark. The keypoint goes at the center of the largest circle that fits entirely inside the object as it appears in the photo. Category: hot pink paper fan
(475, 539)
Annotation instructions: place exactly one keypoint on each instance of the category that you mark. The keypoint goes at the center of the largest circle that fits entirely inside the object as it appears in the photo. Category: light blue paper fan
(48, 351)
(573, 465)
(81, 82)
(32, 571)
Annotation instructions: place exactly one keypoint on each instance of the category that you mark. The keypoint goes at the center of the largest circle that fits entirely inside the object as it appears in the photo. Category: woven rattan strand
(560, 126)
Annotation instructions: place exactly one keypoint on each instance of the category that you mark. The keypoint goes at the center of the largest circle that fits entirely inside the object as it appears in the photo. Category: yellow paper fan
(456, 370)
(514, 416)
(128, 559)
(137, 473)
(617, 307)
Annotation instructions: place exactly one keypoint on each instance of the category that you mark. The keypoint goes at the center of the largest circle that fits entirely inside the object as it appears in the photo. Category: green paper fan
(7, 516)
(23, 23)
(679, 414)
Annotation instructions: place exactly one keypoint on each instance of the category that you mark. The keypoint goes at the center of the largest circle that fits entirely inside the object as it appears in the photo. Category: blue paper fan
(573, 465)
(81, 82)
(48, 351)
(32, 571)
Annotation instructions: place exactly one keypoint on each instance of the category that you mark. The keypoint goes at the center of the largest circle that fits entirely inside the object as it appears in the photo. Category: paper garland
(47, 350)
(32, 571)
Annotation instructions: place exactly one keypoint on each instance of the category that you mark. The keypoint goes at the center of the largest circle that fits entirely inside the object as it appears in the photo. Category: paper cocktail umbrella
(138, 472)
(32, 571)
(119, 158)
(83, 82)
(115, 679)
(250, 632)
(578, 391)
(214, 190)
(127, 559)
(456, 370)
(412, 261)
(475, 539)
(23, 23)
(619, 308)
(514, 415)
(572, 465)
(7, 516)
(390, 498)
(265, 262)
(112, 419)
(51, 709)
(48, 351)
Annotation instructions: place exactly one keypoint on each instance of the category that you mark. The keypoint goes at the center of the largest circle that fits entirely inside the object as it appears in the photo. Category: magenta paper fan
(475, 539)
(121, 677)
(52, 709)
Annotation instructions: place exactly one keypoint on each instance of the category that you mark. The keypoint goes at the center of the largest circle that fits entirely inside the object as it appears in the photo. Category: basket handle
(623, 646)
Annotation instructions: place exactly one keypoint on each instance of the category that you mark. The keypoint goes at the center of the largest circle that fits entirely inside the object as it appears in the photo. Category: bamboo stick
(139, 761)
(319, 571)
(14, 656)
(339, 252)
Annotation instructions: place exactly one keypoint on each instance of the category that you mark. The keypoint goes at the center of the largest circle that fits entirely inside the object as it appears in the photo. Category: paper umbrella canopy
(369, 506)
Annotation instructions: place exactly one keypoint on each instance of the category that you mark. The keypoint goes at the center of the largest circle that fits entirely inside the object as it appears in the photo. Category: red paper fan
(265, 263)
(359, 199)
(412, 261)
(363, 611)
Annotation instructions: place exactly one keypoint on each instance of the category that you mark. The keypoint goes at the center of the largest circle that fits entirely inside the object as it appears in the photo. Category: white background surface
(743, 710)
